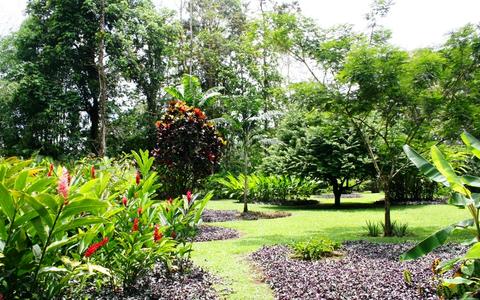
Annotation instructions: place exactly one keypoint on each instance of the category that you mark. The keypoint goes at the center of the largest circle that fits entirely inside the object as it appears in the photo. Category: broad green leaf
(40, 185)
(40, 209)
(21, 180)
(39, 228)
(473, 252)
(457, 280)
(434, 241)
(444, 167)
(52, 269)
(50, 201)
(471, 180)
(472, 143)
(424, 166)
(6, 202)
(25, 218)
(83, 205)
(61, 243)
(84, 221)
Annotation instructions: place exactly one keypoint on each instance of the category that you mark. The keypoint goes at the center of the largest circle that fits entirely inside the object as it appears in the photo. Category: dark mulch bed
(214, 233)
(195, 284)
(352, 195)
(255, 215)
(210, 215)
(366, 271)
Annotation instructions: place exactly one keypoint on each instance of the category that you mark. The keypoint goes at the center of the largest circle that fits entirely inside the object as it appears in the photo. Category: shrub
(314, 249)
(188, 148)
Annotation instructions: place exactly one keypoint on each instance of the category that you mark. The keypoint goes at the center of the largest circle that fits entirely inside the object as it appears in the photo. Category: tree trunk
(245, 181)
(388, 223)
(337, 192)
(102, 84)
(94, 126)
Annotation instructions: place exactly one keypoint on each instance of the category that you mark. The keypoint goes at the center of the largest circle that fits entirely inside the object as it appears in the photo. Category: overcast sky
(414, 23)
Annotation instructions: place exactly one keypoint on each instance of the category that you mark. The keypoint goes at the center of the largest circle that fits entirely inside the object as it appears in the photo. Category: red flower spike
(170, 201)
(94, 247)
(50, 170)
(139, 211)
(137, 178)
(173, 235)
(135, 225)
(124, 201)
(189, 196)
(157, 235)
(92, 172)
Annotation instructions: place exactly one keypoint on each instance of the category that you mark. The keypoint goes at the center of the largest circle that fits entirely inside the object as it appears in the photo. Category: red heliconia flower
(92, 172)
(137, 178)
(124, 201)
(199, 113)
(64, 184)
(157, 235)
(94, 247)
(189, 196)
(135, 225)
(50, 170)
(139, 211)
(173, 235)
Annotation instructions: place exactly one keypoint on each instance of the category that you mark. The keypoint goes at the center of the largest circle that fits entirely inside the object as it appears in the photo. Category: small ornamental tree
(188, 148)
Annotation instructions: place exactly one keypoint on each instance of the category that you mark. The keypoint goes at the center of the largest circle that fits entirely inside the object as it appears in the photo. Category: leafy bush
(61, 231)
(314, 249)
(466, 283)
(268, 189)
(188, 148)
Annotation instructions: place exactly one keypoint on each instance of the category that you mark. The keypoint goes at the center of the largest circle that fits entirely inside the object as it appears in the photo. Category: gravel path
(215, 233)
(366, 271)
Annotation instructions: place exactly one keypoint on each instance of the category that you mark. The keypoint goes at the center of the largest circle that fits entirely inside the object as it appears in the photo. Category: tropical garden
(148, 153)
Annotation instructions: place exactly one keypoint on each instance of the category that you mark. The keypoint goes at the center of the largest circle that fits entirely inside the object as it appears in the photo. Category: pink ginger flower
(64, 184)
(189, 196)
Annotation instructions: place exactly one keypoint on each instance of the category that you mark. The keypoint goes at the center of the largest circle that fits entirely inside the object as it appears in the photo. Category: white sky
(414, 23)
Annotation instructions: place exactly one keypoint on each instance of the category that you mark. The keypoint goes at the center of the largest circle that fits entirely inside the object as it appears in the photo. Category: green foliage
(268, 189)
(95, 225)
(188, 148)
(465, 282)
(314, 248)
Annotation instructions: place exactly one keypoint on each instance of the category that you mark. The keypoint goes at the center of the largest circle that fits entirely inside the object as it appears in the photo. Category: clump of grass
(373, 228)
(376, 228)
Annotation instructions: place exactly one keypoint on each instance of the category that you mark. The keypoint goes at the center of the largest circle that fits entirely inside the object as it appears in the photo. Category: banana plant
(466, 282)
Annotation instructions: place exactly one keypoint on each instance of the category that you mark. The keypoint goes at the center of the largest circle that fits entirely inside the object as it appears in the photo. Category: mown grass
(229, 259)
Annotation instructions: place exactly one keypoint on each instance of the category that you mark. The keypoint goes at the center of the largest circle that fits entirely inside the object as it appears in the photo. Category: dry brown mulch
(366, 271)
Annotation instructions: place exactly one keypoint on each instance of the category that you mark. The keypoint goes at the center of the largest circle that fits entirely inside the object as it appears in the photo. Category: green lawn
(228, 259)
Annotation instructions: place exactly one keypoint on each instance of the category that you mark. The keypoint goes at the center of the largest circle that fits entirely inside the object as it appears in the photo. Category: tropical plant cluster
(267, 189)
(69, 229)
